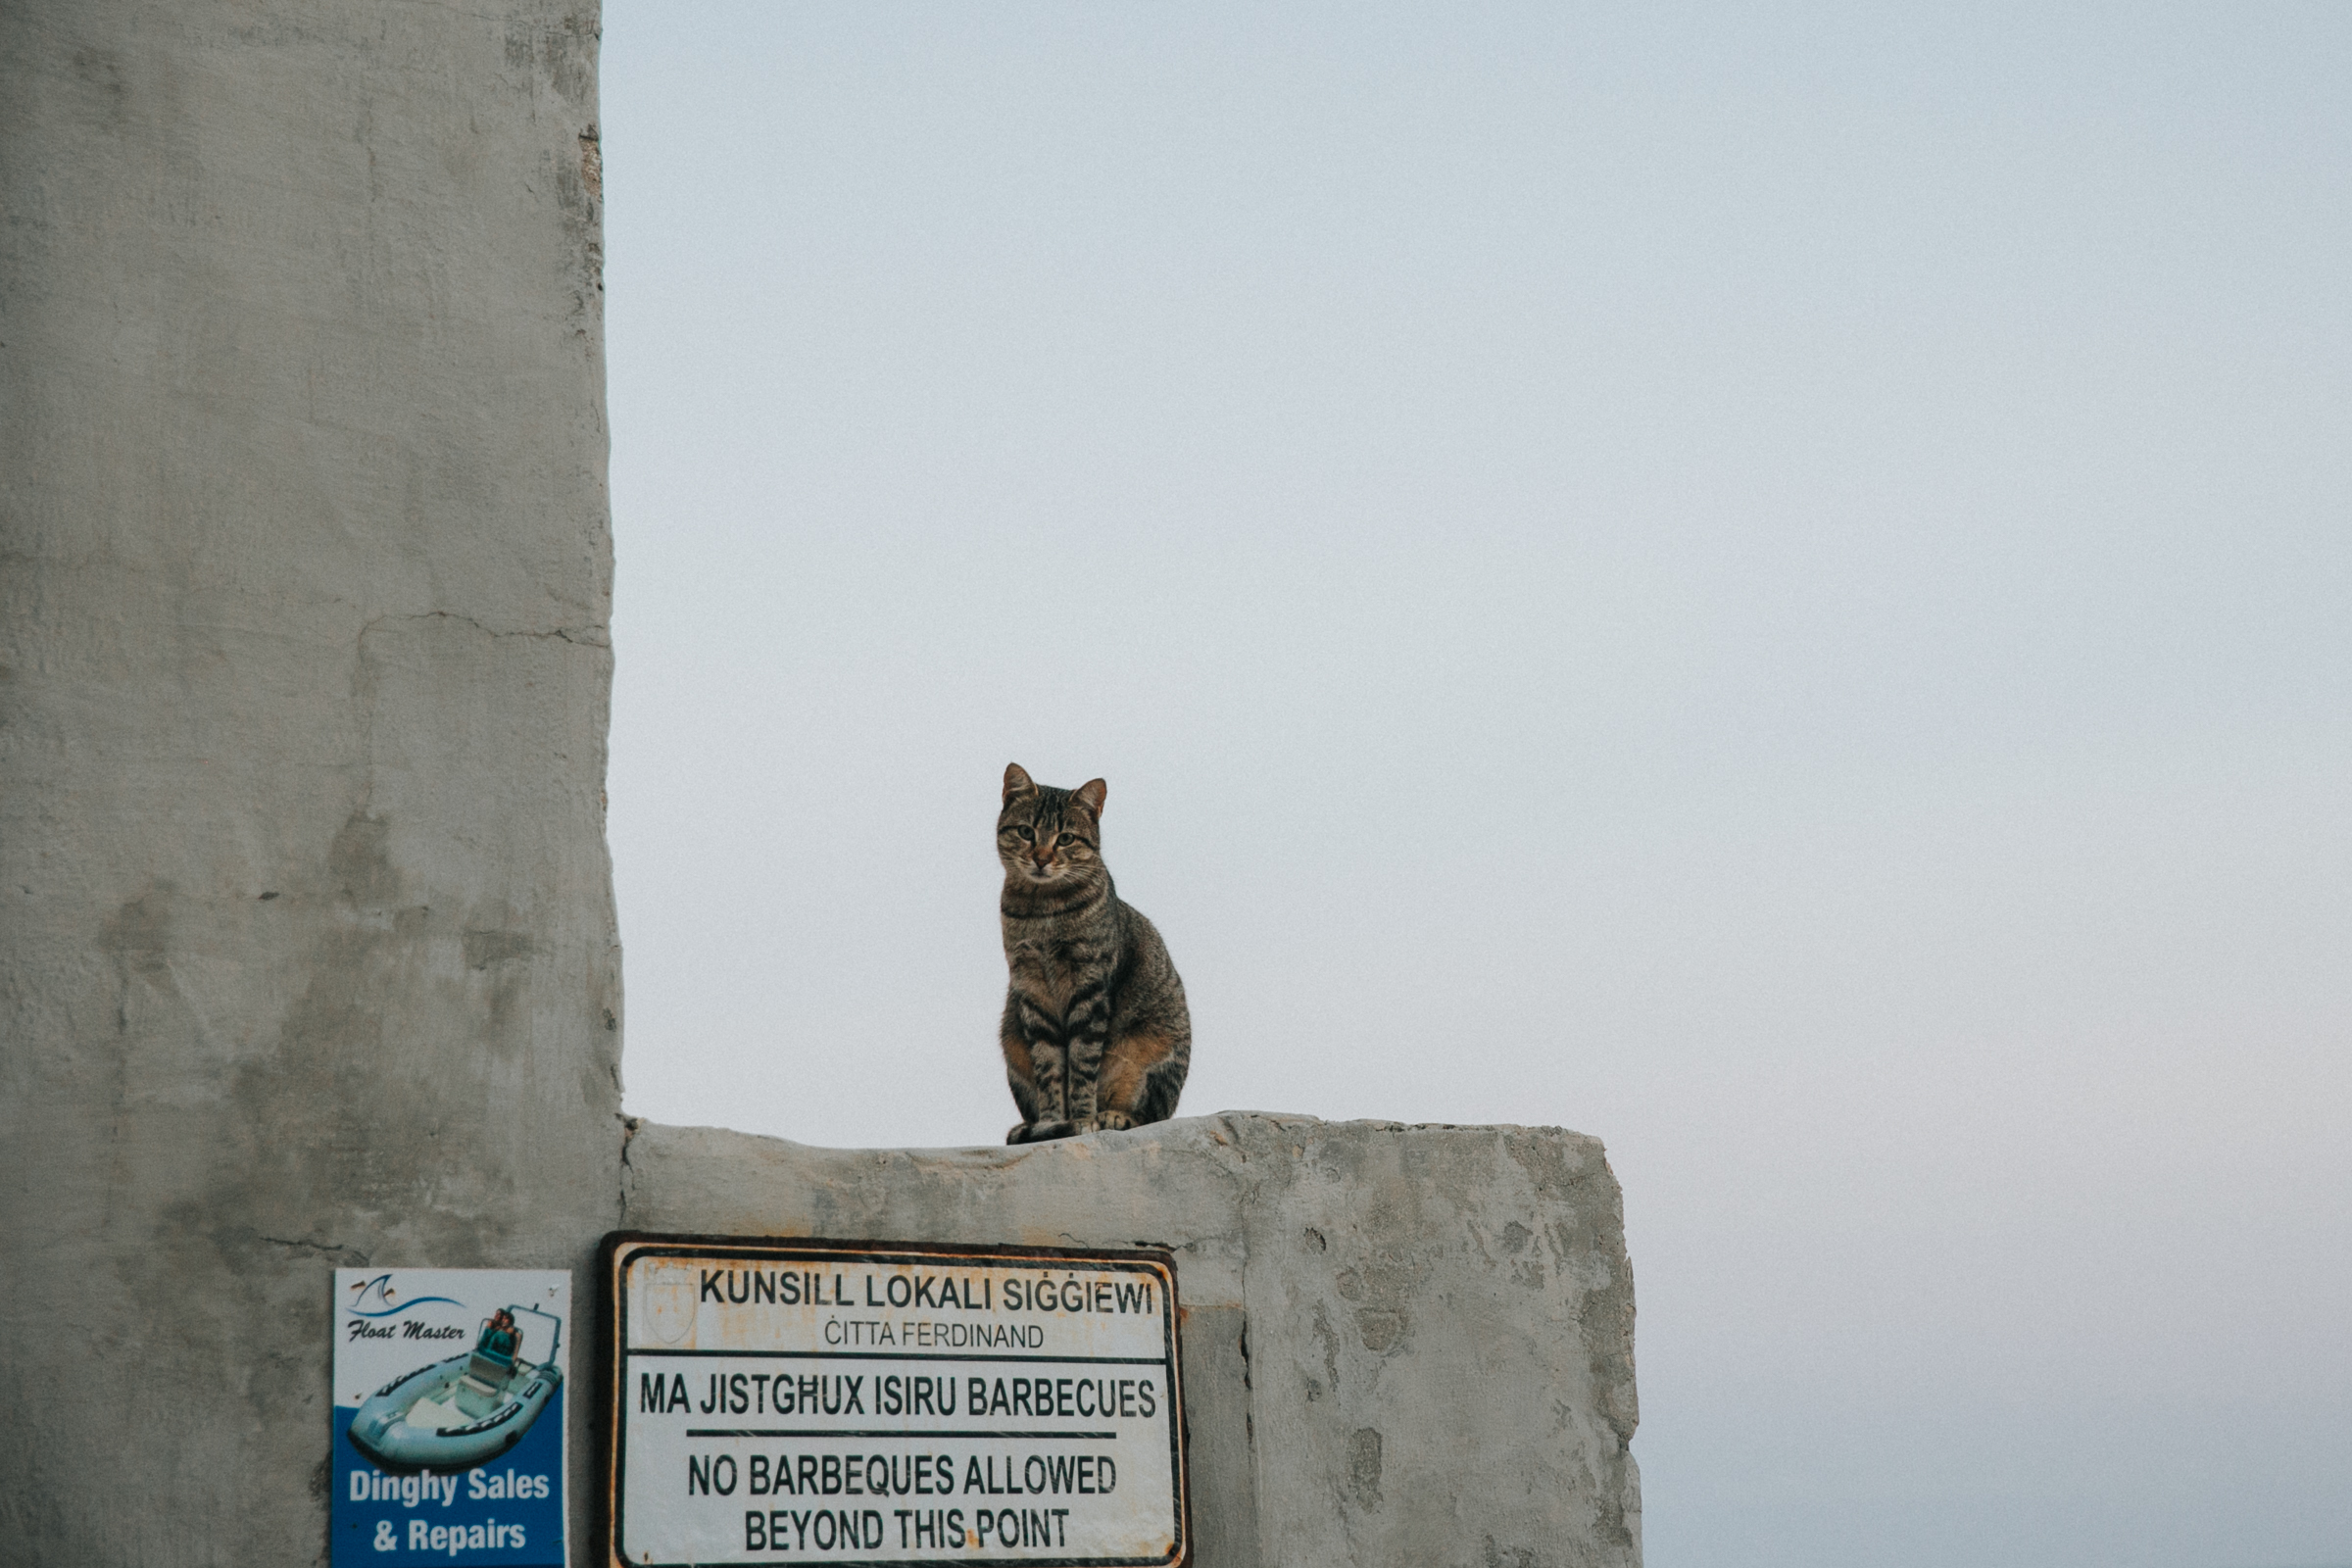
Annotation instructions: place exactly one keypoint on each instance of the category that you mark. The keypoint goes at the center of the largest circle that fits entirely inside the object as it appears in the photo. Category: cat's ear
(1017, 781)
(1091, 793)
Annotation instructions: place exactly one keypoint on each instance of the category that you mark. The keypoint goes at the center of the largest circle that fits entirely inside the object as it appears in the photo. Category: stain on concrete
(484, 949)
(98, 72)
(138, 934)
(1331, 1356)
(1495, 1557)
(361, 863)
(1378, 1292)
(1363, 1465)
(1379, 1331)
(560, 52)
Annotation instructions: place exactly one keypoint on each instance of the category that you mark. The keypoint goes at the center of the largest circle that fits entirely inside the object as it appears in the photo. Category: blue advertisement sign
(448, 1425)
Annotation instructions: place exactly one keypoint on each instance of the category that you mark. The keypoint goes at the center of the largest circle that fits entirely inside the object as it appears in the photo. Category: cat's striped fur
(1096, 1034)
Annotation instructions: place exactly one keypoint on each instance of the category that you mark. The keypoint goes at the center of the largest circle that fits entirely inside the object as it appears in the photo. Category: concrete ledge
(1406, 1346)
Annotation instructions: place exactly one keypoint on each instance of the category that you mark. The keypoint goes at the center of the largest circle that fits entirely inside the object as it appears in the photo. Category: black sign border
(613, 1320)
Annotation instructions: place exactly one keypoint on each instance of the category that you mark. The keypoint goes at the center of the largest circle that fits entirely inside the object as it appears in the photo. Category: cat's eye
(1023, 832)
(1068, 838)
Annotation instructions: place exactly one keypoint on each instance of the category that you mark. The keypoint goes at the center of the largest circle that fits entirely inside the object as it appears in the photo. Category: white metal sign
(821, 1401)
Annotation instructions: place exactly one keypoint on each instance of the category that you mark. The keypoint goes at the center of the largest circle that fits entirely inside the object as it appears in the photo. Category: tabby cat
(1096, 1034)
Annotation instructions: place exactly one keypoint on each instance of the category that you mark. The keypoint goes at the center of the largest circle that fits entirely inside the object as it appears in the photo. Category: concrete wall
(307, 944)
(1404, 1346)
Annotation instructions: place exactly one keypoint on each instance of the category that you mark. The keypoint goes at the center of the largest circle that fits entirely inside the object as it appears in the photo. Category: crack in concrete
(588, 636)
(348, 1256)
(629, 1128)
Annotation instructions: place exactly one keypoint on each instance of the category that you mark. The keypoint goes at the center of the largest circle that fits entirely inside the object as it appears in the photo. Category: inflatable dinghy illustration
(455, 1414)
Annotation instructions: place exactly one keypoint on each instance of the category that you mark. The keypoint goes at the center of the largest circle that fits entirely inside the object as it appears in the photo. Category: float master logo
(373, 1301)
(377, 1298)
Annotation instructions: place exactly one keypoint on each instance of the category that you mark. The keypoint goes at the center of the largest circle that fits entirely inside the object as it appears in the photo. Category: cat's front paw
(1110, 1121)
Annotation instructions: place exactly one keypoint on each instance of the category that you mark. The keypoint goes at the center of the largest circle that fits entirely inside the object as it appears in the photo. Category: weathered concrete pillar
(307, 946)
(1404, 1347)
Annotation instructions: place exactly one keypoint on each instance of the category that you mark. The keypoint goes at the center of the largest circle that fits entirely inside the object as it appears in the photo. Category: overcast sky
(1769, 585)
